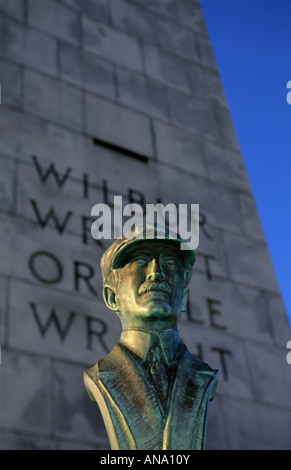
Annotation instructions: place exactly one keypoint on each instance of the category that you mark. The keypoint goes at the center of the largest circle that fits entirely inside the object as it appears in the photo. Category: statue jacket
(131, 410)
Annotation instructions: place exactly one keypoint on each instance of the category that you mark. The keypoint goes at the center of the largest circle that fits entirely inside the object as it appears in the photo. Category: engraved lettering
(86, 275)
(202, 223)
(190, 314)
(85, 186)
(44, 174)
(37, 261)
(214, 312)
(91, 332)
(222, 354)
(105, 194)
(52, 320)
(86, 232)
(207, 259)
(43, 221)
(199, 353)
(135, 196)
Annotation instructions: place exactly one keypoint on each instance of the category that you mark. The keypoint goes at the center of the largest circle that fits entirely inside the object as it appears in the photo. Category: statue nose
(155, 272)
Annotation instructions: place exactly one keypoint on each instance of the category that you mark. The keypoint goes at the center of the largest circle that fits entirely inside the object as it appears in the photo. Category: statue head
(146, 277)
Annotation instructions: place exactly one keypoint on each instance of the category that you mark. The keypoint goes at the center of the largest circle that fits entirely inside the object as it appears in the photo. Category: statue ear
(110, 299)
(184, 300)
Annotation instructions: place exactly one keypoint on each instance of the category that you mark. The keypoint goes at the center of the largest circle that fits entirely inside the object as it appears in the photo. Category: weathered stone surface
(135, 20)
(98, 8)
(51, 323)
(163, 7)
(191, 15)
(25, 392)
(226, 167)
(227, 307)
(7, 170)
(57, 102)
(249, 262)
(124, 98)
(87, 72)
(206, 84)
(11, 81)
(58, 20)
(75, 416)
(145, 95)
(167, 67)
(252, 430)
(268, 369)
(3, 311)
(181, 149)
(111, 44)
(121, 126)
(13, 8)
(192, 114)
(28, 47)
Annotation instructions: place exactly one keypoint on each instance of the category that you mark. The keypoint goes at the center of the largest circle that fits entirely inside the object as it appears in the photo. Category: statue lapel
(193, 387)
(132, 393)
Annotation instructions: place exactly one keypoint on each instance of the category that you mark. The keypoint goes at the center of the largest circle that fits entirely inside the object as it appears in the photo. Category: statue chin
(157, 316)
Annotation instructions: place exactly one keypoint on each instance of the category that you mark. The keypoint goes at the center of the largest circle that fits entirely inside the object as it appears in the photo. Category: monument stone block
(73, 417)
(175, 38)
(81, 69)
(131, 130)
(205, 83)
(28, 47)
(192, 114)
(45, 98)
(173, 143)
(134, 20)
(3, 307)
(191, 16)
(6, 184)
(243, 252)
(144, 95)
(111, 44)
(163, 7)
(11, 81)
(166, 67)
(261, 358)
(14, 8)
(59, 20)
(226, 167)
(123, 99)
(29, 410)
(52, 322)
(96, 8)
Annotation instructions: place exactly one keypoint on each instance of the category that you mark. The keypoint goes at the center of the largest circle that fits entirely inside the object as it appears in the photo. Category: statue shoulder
(104, 365)
(205, 374)
(104, 368)
(200, 365)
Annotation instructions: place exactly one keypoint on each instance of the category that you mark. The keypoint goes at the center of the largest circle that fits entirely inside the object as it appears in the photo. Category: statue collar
(141, 342)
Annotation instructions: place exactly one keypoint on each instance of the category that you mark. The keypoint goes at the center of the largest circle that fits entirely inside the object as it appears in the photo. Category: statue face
(151, 292)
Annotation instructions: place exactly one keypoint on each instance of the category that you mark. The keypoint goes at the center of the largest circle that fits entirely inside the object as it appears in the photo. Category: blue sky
(252, 44)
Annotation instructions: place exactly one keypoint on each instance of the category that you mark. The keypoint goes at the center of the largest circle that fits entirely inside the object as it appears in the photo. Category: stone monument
(123, 98)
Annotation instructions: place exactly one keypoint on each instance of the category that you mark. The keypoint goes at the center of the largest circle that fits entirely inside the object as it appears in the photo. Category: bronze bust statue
(152, 393)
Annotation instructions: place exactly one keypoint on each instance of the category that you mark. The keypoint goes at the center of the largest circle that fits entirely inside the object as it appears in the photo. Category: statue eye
(171, 262)
(140, 259)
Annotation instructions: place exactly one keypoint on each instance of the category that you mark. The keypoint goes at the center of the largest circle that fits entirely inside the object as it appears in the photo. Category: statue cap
(114, 257)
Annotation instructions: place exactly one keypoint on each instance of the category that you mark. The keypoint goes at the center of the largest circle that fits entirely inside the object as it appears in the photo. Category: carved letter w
(51, 170)
(53, 318)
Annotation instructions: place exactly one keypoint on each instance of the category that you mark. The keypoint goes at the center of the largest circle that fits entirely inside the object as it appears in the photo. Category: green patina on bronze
(152, 393)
